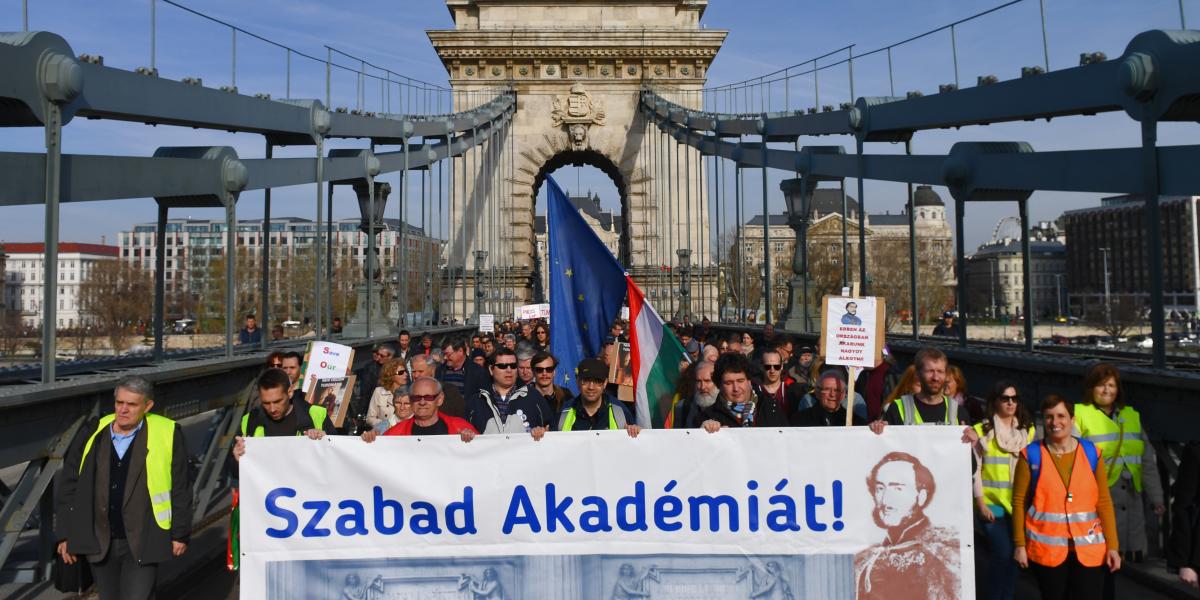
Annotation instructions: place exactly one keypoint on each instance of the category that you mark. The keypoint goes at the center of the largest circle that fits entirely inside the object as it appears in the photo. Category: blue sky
(765, 35)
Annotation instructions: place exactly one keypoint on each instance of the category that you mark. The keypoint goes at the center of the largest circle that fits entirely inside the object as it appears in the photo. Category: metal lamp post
(480, 258)
(798, 199)
(685, 283)
(368, 317)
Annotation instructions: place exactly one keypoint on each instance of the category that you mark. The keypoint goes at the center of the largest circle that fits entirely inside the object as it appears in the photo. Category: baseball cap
(692, 346)
(948, 314)
(592, 368)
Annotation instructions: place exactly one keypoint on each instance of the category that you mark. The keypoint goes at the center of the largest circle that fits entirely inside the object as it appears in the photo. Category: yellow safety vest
(996, 472)
(1107, 433)
(568, 420)
(907, 406)
(160, 446)
(317, 413)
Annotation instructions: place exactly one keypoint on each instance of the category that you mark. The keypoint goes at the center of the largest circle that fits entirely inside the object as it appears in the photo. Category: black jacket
(767, 415)
(475, 378)
(1183, 545)
(817, 416)
(81, 504)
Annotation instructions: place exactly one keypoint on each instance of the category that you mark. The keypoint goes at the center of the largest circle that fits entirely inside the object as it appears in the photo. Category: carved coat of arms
(577, 112)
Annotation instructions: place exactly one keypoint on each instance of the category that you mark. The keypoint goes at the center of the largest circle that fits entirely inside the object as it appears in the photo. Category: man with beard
(916, 560)
(738, 405)
(930, 406)
(544, 364)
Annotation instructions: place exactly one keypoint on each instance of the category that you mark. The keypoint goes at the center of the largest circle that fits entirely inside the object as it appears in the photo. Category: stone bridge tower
(577, 67)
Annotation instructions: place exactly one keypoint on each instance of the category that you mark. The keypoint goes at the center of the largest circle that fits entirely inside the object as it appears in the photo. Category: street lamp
(685, 283)
(798, 199)
(480, 258)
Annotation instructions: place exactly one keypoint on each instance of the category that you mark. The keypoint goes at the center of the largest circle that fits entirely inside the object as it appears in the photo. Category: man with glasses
(830, 409)
(426, 398)
(592, 409)
(525, 354)
(774, 388)
(452, 401)
(503, 406)
(543, 365)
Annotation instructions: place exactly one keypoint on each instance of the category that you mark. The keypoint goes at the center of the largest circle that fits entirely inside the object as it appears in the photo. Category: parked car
(1105, 343)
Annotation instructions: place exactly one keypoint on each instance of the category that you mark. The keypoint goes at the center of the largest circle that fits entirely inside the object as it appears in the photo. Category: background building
(887, 236)
(192, 245)
(1116, 230)
(23, 284)
(606, 224)
(995, 280)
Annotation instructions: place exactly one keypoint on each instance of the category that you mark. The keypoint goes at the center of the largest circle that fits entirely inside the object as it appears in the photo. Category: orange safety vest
(1061, 518)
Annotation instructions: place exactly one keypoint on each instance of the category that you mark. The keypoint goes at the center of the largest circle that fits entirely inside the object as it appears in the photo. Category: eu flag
(587, 286)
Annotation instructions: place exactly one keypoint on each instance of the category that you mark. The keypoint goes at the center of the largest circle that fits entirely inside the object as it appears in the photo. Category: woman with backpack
(1063, 522)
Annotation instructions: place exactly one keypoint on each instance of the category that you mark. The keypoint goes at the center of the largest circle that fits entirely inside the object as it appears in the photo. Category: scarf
(1010, 439)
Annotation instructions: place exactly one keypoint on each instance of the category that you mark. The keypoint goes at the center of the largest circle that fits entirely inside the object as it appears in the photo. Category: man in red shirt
(426, 397)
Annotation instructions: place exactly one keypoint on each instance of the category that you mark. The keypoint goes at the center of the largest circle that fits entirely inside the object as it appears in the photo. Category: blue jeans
(1001, 568)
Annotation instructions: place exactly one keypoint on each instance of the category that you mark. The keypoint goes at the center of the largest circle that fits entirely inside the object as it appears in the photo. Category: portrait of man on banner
(916, 559)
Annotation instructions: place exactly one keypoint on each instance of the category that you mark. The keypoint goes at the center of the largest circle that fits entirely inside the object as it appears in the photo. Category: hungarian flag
(657, 355)
(233, 551)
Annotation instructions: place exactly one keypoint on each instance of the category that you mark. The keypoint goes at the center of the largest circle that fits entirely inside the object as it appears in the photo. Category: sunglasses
(421, 398)
(543, 370)
(773, 367)
(1007, 398)
(505, 365)
(277, 365)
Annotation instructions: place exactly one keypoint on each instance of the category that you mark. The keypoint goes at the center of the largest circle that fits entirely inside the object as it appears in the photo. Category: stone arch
(534, 164)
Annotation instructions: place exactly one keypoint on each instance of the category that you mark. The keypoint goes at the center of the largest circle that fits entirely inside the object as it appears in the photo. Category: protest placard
(324, 360)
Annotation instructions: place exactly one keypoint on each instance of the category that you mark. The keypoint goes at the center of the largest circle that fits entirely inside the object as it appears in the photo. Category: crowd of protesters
(504, 382)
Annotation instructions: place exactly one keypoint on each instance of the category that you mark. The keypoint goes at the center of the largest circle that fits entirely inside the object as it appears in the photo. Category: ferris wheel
(1007, 228)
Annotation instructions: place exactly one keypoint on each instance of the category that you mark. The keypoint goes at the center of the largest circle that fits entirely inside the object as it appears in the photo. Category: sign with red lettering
(851, 331)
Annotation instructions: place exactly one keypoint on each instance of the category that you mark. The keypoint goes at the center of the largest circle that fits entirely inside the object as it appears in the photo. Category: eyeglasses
(543, 370)
(1007, 398)
(505, 365)
(278, 365)
(421, 398)
(772, 367)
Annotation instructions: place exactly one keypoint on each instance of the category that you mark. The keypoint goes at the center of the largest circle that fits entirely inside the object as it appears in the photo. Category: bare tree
(1126, 316)
(115, 295)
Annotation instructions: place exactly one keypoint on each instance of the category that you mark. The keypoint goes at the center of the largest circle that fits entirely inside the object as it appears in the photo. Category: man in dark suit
(124, 498)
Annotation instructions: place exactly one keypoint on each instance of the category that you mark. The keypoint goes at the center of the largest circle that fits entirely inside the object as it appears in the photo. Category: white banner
(487, 323)
(806, 513)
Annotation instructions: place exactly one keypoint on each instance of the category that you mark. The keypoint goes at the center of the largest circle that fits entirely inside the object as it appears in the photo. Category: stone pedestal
(381, 324)
(795, 319)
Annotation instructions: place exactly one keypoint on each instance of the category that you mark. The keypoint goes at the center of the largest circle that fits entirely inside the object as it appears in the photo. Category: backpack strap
(1033, 456)
(1091, 451)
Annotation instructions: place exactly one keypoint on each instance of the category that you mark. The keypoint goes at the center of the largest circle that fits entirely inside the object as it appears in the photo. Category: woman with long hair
(1063, 523)
(956, 389)
(1004, 432)
(1106, 419)
(393, 377)
(908, 385)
